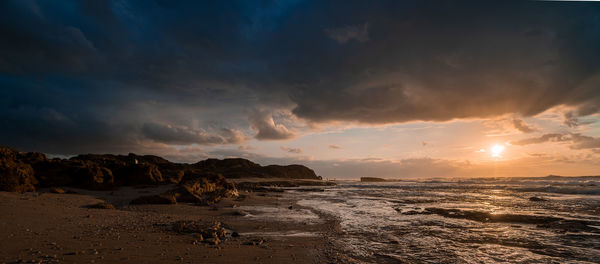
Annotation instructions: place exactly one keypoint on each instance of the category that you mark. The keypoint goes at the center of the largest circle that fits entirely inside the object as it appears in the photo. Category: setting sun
(497, 150)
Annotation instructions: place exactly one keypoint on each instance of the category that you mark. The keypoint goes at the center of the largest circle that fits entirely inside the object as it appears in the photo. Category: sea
(487, 220)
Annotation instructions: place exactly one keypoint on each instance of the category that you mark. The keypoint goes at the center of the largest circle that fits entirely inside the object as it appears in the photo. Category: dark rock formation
(202, 183)
(551, 222)
(101, 206)
(83, 174)
(210, 234)
(242, 168)
(494, 218)
(141, 173)
(127, 170)
(290, 172)
(203, 188)
(372, 179)
(122, 166)
(537, 199)
(155, 199)
(15, 175)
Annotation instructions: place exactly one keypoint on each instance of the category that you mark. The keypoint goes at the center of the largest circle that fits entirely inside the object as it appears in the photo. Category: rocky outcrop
(83, 174)
(291, 172)
(492, 218)
(211, 234)
(242, 168)
(155, 199)
(195, 187)
(203, 188)
(126, 170)
(202, 182)
(101, 206)
(372, 179)
(147, 168)
(15, 175)
(141, 173)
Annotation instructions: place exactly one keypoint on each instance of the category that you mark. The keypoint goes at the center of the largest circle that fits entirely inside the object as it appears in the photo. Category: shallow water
(469, 221)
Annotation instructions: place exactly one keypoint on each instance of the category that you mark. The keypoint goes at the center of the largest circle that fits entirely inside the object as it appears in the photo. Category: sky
(393, 89)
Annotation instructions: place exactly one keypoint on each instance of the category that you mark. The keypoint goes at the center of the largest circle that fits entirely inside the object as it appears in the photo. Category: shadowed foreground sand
(58, 228)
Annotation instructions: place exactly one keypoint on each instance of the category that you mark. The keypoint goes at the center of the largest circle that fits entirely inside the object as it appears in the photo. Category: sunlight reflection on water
(465, 222)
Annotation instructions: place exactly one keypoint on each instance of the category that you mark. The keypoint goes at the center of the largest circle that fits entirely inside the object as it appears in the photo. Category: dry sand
(58, 228)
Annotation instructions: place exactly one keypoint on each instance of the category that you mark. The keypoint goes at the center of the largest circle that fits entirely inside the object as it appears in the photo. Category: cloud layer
(576, 140)
(104, 76)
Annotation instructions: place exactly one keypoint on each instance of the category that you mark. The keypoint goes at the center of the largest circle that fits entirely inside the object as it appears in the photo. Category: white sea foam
(275, 213)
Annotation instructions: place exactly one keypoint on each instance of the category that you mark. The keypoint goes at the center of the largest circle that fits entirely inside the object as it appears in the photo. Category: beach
(44, 227)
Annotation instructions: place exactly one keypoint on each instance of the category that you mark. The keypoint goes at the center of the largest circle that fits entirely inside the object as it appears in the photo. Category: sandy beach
(43, 227)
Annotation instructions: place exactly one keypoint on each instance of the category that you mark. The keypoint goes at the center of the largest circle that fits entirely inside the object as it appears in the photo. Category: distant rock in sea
(372, 179)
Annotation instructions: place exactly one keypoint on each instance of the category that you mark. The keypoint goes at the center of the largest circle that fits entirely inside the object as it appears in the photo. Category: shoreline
(46, 227)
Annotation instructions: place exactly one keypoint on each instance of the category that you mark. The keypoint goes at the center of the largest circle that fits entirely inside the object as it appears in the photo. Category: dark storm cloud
(185, 135)
(342, 35)
(106, 75)
(462, 61)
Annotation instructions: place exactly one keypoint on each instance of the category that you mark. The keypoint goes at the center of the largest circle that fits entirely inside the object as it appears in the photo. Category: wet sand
(58, 228)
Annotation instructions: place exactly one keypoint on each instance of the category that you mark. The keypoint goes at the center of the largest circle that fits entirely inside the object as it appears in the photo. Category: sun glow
(497, 150)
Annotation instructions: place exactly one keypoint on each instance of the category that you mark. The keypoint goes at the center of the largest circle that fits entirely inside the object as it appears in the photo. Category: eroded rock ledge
(203, 182)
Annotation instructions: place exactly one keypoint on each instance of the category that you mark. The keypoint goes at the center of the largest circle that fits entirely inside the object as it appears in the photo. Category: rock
(127, 170)
(142, 173)
(203, 188)
(537, 199)
(242, 168)
(155, 199)
(187, 227)
(235, 234)
(101, 206)
(56, 190)
(570, 226)
(25, 171)
(493, 218)
(255, 242)
(208, 234)
(372, 179)
(32, 157)
(213, 241)
(15, 175)
(238, 213)
(83, 174)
